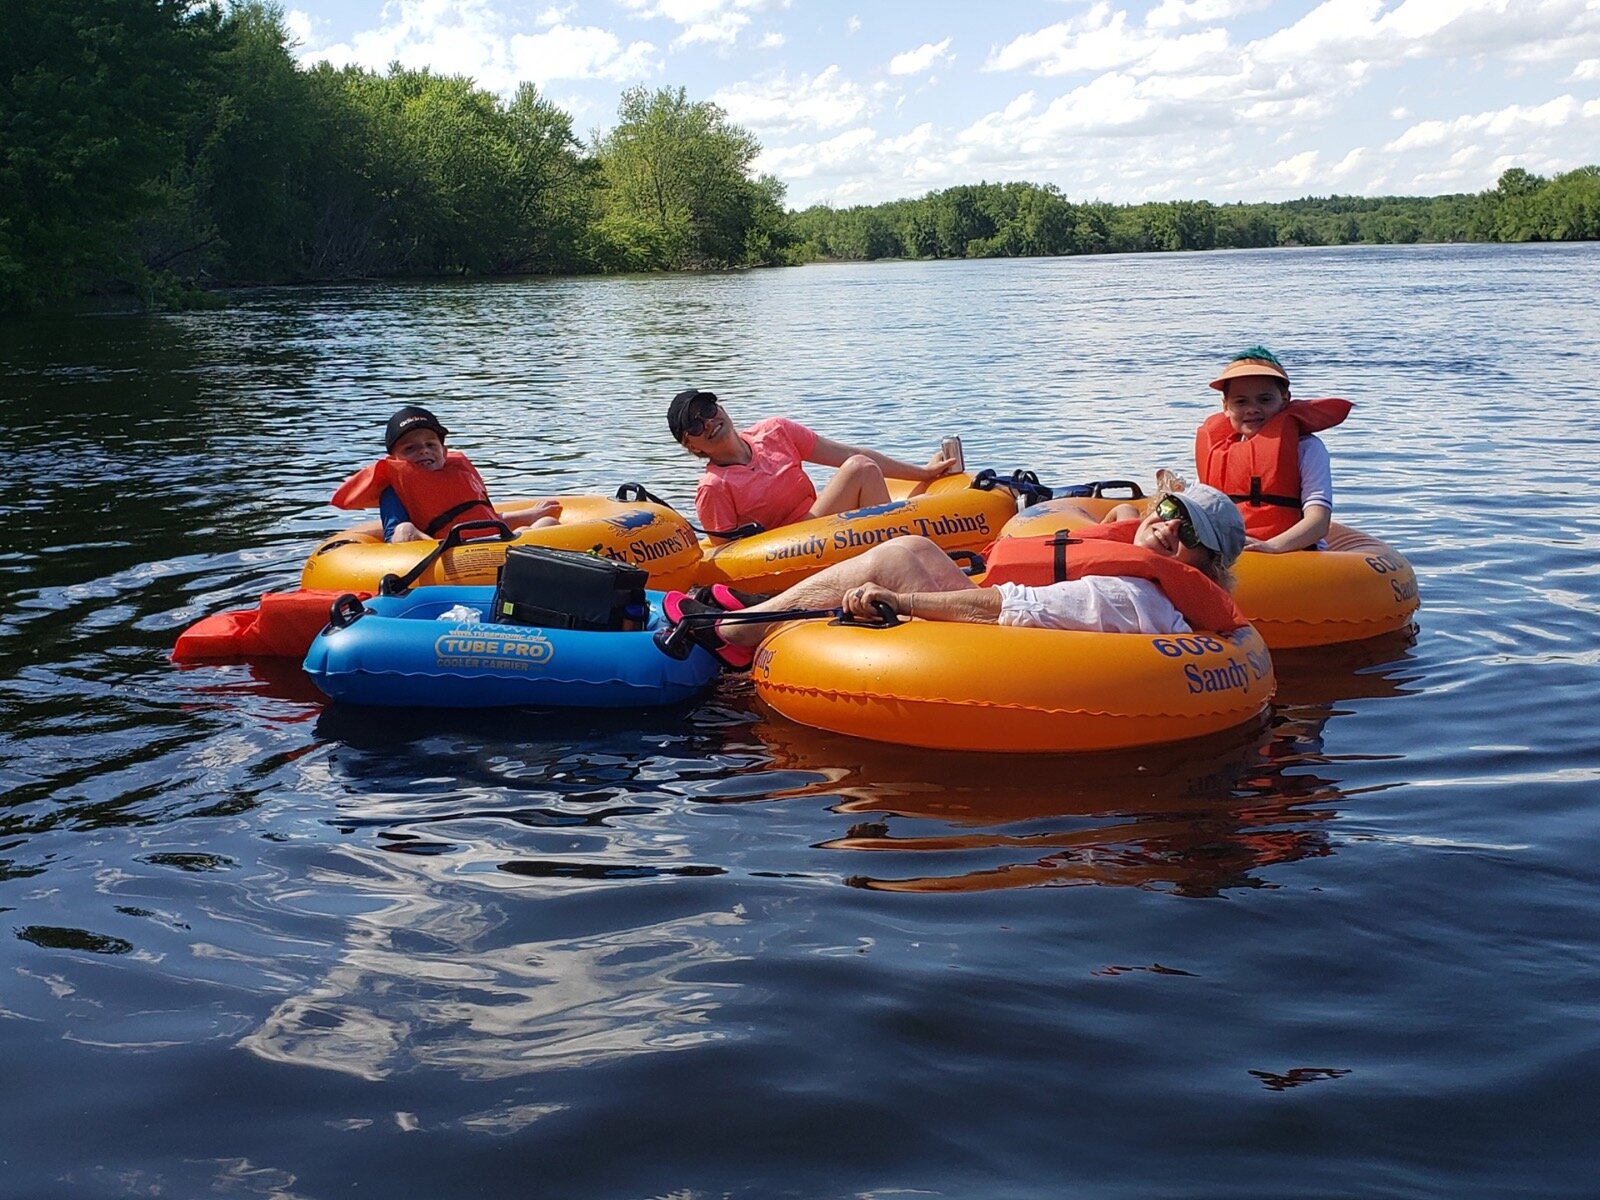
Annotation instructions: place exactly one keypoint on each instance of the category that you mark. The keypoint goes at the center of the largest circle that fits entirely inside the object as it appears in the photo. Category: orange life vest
(435, 501)
(1261, 474)
(1109, 550)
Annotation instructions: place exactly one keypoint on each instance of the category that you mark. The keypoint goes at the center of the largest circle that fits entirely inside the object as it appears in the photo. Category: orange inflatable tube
(990, 687)
(641, 534)
(1357, 588)
(949, 510)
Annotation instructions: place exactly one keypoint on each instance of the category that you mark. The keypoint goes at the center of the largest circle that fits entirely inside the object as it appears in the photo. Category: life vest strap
(1256, 497)
(1058, 553)
(450, 514)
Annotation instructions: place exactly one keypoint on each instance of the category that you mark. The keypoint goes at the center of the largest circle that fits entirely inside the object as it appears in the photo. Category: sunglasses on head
(1168, 509)
(700, 411)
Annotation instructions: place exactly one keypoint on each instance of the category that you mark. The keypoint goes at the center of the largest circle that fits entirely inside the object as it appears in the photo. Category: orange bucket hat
(1257, 360)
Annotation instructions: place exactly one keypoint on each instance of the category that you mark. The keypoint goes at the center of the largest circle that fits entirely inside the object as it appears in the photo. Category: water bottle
(462, 614)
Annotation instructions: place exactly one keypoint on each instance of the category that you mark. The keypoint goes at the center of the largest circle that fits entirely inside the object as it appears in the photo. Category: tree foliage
(677, 190)
(144, 141)
(148, 146)
(1009, 219)
(97, 101)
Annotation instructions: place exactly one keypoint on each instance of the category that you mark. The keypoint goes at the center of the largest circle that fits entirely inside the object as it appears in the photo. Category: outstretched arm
(974, 606)
(829, 453)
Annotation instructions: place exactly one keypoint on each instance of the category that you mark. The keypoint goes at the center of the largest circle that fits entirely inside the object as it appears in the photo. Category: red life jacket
(435, 501)
(1261, 474)
(1109, 550)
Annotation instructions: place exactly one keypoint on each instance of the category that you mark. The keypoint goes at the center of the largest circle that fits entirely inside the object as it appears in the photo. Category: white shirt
(1098, 603)
(1316, 472)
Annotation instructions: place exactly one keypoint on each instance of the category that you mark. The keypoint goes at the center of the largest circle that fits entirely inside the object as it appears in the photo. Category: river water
(256, 945)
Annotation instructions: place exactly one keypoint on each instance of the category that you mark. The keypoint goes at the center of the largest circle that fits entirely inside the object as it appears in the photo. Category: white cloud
(470, 37)
(713, 22)
(923, 58)
(299, 25)
(723, 29)
(1103, 40)
(1219, 99)
(859, 167)
(1297, 171)
(1099, 40)
(780, 105)
(573, 52)
(1512, 121)
(1170, 14)
(1347, 165)
(847, 153)
(919, 141)
(451, 37)
(1524, 30)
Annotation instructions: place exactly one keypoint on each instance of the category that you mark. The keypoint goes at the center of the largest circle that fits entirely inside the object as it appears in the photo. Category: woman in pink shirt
(757, 474)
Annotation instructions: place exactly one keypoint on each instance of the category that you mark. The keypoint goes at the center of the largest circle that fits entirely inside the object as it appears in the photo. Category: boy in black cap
(422, 490)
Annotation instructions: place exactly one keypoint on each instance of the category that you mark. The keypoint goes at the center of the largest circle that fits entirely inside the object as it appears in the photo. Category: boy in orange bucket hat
(1262, 450)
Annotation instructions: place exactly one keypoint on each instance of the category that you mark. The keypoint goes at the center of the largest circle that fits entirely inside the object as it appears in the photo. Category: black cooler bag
(562, 589)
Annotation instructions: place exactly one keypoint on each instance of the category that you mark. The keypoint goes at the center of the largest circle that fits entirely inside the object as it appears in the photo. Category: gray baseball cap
(1216, 520)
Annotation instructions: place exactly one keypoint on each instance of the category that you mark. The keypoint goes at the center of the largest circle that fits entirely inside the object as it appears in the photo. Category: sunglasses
(700, 411)
(1168, 509)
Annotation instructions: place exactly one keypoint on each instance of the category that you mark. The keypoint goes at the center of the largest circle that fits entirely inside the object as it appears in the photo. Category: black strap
(887, 618)
(1024, 483)
(345, 611)
(1257, 498)
(676, 640)
(395, 585)
(1096, 489)
(1058, 554)
(334, 545)
(970, 561)
(450, 514)
(633, 493)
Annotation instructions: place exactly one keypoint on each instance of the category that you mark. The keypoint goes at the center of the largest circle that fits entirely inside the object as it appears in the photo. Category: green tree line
(159, 147)
(991, 220)
(155, 145)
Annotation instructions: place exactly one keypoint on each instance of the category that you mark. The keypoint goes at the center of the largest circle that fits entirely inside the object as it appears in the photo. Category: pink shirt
(772, 488)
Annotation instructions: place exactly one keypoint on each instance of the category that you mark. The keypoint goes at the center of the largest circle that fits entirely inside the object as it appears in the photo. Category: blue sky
(1222, 100)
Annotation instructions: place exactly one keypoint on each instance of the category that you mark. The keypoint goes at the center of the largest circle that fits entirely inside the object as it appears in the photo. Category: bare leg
(856, 484)
(906, 564)
(534, 516)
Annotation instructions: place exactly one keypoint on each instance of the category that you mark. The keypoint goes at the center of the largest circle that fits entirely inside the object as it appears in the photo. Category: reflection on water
(432, 975)
(1194, 819)
(442, 966)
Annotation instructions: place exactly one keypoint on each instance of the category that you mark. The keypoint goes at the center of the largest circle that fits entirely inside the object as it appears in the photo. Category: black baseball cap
(678, 410)
(407, 419)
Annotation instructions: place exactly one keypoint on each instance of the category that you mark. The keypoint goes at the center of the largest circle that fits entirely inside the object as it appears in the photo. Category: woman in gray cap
(1165, 573)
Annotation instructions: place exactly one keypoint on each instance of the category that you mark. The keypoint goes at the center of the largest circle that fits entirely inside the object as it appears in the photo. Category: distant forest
(159, 149)
(989, 220)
